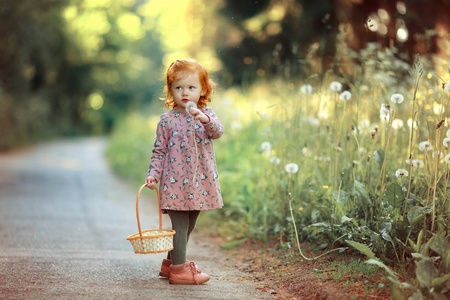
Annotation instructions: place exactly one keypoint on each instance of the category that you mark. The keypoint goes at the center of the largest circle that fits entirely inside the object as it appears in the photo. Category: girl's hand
(199, 115)
(151, 182)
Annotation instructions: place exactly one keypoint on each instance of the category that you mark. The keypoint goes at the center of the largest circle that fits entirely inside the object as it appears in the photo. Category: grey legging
(183, 222)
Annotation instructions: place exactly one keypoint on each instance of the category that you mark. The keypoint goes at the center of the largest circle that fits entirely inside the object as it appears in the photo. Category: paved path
(64, 218)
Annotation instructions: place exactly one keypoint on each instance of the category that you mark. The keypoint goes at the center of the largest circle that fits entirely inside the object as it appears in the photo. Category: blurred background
(75, 67)
(335, 111)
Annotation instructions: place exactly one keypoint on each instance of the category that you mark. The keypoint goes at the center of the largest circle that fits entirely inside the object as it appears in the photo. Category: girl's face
(186, 89)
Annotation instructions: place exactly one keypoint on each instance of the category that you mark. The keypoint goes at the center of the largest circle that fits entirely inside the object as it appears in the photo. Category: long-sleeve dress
(174, 164)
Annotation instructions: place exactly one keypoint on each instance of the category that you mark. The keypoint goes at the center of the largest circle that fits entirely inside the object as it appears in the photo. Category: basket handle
(137, 208)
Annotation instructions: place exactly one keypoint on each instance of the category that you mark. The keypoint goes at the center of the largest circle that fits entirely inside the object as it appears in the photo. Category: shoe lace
(194, 270)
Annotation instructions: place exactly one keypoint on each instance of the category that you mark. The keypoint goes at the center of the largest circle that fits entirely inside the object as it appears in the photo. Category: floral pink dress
(174, 164)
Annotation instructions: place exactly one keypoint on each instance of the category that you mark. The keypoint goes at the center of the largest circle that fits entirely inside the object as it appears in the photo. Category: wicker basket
(154, 240)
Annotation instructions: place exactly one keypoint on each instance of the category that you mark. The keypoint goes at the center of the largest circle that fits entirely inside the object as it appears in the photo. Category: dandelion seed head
(417, 163)
(345, 96)
(323, 115)
(306, 151)
(447, 159)
(448, 133)
(385, 112)
(313, 121)
(275, 160)
(425, 146)
(266, 146)
(446, 142)
(336, 86)
(397, 124)
(365, 123)
(447, 87)
(306, 89)
(363, 88)
(291, 168)
(397, 98)
(410, 123)
(438, 109)
(190, 105)
(401, 173)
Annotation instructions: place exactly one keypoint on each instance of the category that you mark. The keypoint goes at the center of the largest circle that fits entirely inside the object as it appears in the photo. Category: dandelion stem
(298, 241)
(430, 179)
(411, 135)
(339, 198)
(338, 145)
(437, 158)
(383, 166)
(360, 159)
(409, 187)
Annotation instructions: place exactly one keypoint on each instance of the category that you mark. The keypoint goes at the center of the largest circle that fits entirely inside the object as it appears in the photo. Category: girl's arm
(159, 150)
(213, 127)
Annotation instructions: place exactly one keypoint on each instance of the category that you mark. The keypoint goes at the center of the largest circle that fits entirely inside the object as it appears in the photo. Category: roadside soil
(285, 275)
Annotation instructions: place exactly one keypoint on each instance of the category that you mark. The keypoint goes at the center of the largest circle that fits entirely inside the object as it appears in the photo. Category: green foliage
(342, 169)
(361, 248)
(72, 67)
(130, 146)
(290, 38)
(432, 273)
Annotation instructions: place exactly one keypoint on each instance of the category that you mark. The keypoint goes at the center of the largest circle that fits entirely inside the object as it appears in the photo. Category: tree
(290, 37)
(69, 67)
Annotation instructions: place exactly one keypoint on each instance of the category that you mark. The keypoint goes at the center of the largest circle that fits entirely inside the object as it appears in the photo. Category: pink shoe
(187, 273)
(165, 268)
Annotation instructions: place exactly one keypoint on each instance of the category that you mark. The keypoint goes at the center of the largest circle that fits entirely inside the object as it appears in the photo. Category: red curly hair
(183, 67)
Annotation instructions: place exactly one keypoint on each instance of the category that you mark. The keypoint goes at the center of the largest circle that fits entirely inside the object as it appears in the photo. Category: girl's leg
(180, 223)
(180, 272)
(193, 215)
(183, 222)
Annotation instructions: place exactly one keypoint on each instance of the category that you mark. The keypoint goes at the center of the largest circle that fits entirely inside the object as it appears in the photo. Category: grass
(346, 190)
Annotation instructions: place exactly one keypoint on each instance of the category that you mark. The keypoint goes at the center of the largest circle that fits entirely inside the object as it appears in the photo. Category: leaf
(417, 295)
(417, 212)
(395, 195)
(361, 190)
(315, 215)
(361, 248)
(342, 198)
(378, 156)
(414, 247)
(345, 219)
(441, 283)
(381, 265)
(446, 261)
(425, 272)
(439, 245)
(386, 226)
(387, 237)
(419, 255)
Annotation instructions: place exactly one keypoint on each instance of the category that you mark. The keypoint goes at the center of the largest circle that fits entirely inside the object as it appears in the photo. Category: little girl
(183, 162)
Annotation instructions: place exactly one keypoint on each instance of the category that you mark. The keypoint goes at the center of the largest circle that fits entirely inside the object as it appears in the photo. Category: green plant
(361, 181)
